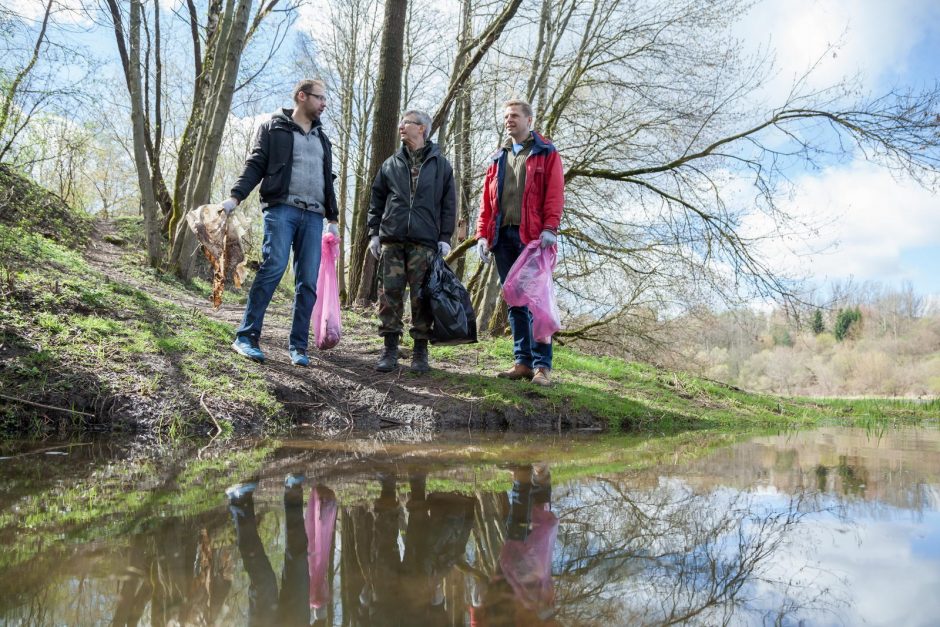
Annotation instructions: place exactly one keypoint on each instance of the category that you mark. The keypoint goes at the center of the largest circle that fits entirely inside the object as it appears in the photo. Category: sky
(880, 227)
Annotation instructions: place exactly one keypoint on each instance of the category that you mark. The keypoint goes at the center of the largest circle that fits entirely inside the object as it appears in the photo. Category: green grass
(73, 329)
(640, 398)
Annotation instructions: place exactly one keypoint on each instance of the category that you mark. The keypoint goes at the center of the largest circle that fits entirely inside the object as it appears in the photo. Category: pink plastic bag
(527, 564)
(529, 283)
(327, 324)
(320, 523)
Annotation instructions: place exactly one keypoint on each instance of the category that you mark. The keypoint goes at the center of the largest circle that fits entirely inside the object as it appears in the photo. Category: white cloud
(872, 219)
(870, 37)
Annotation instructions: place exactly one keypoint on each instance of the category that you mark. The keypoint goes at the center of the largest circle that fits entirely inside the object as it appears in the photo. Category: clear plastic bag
(220, 235)
(529, 283)
(327, 324)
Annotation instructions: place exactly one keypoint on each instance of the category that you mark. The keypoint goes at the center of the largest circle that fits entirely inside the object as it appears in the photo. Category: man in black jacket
(292, 159)
(411, 218)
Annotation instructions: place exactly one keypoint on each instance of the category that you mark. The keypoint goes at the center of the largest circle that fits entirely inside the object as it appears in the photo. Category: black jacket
(271, 161)
(430, 216)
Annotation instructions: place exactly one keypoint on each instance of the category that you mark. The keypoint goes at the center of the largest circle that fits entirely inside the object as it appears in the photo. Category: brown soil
(341, 389)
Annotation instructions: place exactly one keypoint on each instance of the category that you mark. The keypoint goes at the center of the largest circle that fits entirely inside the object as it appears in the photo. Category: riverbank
(92, 339)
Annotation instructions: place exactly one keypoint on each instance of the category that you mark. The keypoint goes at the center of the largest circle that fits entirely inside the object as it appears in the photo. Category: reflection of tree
(176, 573)
(668, 556)
(853, 476)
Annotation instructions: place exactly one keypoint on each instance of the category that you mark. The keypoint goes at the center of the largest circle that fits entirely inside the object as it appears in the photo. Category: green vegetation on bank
(106, 355)
(642, 398)
(80, 350)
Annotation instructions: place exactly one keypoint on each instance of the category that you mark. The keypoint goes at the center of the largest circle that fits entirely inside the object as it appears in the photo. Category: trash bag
(529, 284)
(527, 564)
(320, 524)
(327, 324)
(454, 321)
(220, 235)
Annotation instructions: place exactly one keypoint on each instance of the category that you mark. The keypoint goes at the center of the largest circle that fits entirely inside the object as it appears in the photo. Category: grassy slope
(72, 339)
(75, 340)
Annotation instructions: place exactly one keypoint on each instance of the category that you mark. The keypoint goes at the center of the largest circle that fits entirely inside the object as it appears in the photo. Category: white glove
(229, 204)
(443, 248)
(546, 239)
(375, 246)
(333, 228)
(483, 250)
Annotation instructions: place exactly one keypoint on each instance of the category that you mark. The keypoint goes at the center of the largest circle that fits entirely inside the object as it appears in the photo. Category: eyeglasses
(407, 122)
(320, 97)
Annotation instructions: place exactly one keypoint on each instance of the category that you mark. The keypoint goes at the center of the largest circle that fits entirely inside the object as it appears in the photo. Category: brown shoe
(518, 371)
(541, 377)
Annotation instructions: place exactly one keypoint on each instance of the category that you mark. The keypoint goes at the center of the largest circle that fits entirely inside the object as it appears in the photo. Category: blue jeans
(525, 349)
(286, 228)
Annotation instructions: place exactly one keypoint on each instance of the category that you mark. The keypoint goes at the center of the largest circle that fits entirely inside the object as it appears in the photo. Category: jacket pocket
(273, 181)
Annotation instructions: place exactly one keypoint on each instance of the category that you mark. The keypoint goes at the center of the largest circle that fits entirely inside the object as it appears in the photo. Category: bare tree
(384, 123)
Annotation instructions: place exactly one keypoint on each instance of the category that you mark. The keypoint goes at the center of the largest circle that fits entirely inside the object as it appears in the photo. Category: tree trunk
(230, 44)
(384, 140)
(492, 311)
(147, 197)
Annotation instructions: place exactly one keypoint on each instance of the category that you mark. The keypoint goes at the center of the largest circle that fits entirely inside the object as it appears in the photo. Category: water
(828, 527)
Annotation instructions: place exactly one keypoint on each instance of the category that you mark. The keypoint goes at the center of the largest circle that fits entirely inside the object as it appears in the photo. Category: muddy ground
(341, 390)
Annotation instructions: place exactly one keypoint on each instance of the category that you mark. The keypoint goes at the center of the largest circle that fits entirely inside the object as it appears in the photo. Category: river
(833, 526)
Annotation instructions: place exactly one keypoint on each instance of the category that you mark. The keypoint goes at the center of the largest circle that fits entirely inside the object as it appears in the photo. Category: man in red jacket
(523, 198)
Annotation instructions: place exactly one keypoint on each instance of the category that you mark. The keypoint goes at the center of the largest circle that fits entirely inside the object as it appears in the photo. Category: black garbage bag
(449, 301)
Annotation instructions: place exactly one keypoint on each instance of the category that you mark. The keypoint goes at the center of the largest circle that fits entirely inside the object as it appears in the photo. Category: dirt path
(341, 388)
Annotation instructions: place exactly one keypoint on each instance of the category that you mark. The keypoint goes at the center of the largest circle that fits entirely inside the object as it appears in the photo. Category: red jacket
(543, 197)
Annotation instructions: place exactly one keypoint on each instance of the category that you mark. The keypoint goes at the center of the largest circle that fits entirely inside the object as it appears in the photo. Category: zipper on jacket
(411, 203)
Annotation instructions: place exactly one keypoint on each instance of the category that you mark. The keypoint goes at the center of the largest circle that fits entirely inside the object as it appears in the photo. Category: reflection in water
(734, 538)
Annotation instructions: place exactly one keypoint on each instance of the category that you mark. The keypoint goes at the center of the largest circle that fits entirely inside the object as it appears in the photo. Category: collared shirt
(510, 202)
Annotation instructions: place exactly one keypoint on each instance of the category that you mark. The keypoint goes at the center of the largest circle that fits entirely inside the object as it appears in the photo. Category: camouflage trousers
(401, 266)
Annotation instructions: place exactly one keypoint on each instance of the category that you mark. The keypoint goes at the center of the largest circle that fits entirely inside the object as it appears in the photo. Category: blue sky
(881, 227)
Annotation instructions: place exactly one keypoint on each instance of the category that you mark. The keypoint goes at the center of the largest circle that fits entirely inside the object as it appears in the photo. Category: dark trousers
(265, 606)
(526, 350)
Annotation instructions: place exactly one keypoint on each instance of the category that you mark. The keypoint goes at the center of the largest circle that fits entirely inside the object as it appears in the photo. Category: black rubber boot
(389, 359)
(419, 357)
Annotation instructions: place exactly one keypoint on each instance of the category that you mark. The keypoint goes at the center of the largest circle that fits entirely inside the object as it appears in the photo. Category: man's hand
(443, 248)
(375, 246)
(483, 250)
(546, 239)
(333, 228)
(229, 204)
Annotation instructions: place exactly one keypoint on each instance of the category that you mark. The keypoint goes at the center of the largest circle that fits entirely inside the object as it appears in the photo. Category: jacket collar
(539, 145)
(282, 118)
(432, 148)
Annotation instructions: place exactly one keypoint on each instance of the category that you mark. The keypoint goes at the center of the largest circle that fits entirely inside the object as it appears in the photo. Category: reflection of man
(521, 592)
(265, 605)
(409, 590)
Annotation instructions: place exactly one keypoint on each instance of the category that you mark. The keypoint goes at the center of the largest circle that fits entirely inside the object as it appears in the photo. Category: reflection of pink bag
(527, 565)
(319, 523)
(327, 324)
(529, 283)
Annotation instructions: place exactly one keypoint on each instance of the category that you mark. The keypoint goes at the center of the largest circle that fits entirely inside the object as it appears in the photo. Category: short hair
(423, 118)
(522, 104)
(305, 84)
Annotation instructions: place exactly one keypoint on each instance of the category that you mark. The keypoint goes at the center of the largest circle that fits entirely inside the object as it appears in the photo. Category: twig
(214, 421)
(51, 448)
(26, 402)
